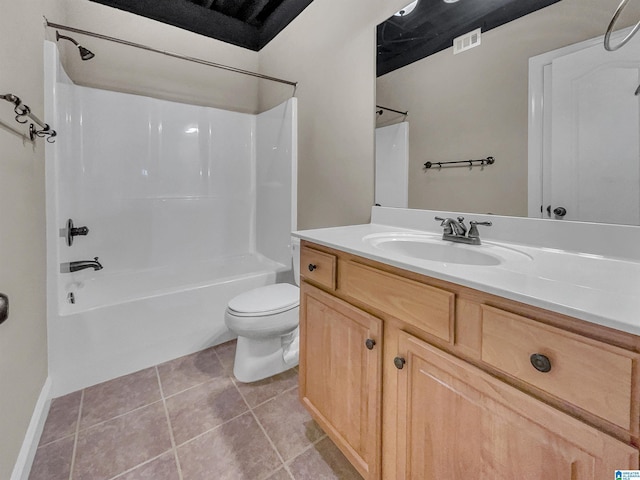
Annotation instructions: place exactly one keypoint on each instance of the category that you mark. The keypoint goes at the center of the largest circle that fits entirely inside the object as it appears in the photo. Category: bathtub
(124, 322)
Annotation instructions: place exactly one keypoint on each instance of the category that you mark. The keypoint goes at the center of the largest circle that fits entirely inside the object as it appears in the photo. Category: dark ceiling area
(246, 23)
(433, 24)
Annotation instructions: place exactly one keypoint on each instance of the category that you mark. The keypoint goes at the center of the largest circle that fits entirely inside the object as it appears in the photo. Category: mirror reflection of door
(591, 165)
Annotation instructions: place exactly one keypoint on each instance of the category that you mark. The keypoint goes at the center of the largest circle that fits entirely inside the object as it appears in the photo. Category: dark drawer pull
(399, 362)
(312, 267)
(370, 343)
(540, 362)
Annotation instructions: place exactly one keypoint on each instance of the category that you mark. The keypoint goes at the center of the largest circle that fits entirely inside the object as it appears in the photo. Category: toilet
(266, 322)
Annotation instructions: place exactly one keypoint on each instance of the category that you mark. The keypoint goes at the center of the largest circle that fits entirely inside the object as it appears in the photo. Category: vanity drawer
(428, 308)
(318, 267)
(591, 375)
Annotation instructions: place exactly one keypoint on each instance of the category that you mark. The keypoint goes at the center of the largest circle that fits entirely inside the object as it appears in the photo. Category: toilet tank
(295, 253)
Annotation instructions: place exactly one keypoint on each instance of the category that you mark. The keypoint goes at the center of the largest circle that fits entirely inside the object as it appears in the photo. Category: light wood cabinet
(340, 375)
(450, 390)
(457, 422)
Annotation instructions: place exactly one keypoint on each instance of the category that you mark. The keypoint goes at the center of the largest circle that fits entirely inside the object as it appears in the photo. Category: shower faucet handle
(74, 232)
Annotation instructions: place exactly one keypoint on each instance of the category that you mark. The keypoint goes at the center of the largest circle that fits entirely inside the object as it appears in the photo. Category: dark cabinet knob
(4, 307)
(370, 343)
(540, 362)
(399, 362)
(312, 267)
(560, 211)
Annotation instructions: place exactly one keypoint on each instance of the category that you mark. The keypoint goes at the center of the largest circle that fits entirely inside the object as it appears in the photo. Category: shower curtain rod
(169, 54)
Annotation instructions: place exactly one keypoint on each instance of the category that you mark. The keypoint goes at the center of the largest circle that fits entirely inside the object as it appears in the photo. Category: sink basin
(431, 247)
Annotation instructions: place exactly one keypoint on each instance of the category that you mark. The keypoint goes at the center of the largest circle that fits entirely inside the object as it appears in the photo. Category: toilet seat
(264, 301)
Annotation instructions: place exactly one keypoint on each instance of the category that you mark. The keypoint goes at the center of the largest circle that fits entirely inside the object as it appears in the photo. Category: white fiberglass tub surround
(186, 207)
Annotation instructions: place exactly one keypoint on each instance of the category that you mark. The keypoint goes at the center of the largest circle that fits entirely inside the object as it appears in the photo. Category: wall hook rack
(23, 112)
(462, 163)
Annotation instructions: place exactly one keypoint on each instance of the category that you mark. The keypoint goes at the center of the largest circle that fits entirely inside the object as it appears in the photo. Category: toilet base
(260, 358)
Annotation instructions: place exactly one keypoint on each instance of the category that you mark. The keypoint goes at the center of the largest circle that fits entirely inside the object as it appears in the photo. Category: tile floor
(187, 419)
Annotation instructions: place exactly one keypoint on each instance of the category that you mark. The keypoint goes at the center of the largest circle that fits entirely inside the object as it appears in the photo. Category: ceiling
(433, 24)
(246, 23)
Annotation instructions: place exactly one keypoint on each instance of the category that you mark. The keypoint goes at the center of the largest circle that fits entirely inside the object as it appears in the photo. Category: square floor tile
(162, 468)
(62, 418)
(185, 372)
(323, 461)
(117, 445)
(118, 396)
(288, 424)
(258, 392)
(237, 450)
(53, 461)
(203, 407)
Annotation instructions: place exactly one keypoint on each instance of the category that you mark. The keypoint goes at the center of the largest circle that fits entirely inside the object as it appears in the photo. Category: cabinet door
(340, 375)
(457, 422)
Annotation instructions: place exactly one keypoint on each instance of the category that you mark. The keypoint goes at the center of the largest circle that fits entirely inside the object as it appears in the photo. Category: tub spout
(82, 264)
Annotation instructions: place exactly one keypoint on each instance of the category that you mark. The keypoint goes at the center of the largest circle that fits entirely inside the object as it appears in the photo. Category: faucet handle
(446, 223)
(473, 222)
(473, 231)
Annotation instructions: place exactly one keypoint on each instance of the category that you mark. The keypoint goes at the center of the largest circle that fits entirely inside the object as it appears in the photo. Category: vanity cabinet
(417, 378)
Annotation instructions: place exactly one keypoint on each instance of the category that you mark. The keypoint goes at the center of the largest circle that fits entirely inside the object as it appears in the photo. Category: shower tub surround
(186, 207)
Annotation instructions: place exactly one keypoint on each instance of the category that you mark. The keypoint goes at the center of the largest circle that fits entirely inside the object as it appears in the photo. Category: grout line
(212, 429)
(308, 447)
(166, 413)
(210, 379)
(75, 441)
(215, 350)
(57, 440)
(119, 416)
(119, 475)
(275, 396)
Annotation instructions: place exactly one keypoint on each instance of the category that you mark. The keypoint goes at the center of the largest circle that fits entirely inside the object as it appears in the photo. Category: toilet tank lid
(266, 299)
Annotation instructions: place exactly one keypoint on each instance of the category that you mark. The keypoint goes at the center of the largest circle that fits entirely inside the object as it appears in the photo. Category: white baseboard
(27, 453)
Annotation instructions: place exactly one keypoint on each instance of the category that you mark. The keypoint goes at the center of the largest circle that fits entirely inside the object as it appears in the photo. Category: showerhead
(85, 53)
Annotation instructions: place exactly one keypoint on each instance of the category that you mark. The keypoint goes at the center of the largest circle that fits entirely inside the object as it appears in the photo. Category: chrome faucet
(82, 264)
(456, 230)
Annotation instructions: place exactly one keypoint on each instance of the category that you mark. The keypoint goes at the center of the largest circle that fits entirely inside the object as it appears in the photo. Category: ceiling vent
(466, 41)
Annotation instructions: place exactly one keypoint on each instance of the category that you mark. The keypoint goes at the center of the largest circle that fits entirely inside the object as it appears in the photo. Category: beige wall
(23, 342)
(474, 104)
(330, 50)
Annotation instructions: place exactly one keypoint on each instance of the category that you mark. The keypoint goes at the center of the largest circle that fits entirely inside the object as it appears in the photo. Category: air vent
(466, 41)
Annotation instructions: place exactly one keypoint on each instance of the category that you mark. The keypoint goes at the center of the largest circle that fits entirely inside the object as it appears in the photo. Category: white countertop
(594, 288)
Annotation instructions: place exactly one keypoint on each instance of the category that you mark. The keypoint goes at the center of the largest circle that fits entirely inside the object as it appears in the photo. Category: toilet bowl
(266, 322)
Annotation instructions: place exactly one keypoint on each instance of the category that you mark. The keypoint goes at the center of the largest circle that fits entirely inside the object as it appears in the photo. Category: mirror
(475, 104)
